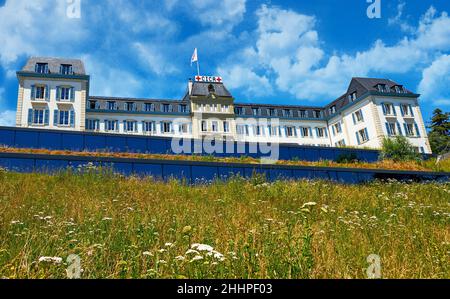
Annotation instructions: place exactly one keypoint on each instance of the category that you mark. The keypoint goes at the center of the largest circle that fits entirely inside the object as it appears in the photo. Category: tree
(439, 135)
(398, 149)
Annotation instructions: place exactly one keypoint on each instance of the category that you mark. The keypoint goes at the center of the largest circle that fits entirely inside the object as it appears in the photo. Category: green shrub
(347, 158)
(398, 149)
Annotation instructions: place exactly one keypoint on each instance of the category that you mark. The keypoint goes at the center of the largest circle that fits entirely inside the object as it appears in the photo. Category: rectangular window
(391, 129)
(242, 130)
(362, 136)
(271, 112)
(317, 114)
(92, 124)
(182, 108)
(111, 125)
(149, 126)
(130, 126)
(399, 89)
(40, 92)
(214, 126)
(92, 104)
(183, 128)
(321, 132)
(287, 112)
(383, 88)
(65, 93)
(226, 127)
(273, 130)
(167, 127)
(358, 116)
(66, 69)
(38, 116)
(63, 119)
(337, 128)
(409, 128)
(42, 68)
(239, 110)
(259, 130)
(332, 109)
(302, 113)
(112, 105)
(149, 107)
(352, 97)
(388, 109)
(166, 108)
(305, 132)
(255, 111)
(290, 131)
(130, 106)
(204, 126)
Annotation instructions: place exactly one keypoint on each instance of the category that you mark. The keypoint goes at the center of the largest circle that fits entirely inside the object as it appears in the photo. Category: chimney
(190, 84)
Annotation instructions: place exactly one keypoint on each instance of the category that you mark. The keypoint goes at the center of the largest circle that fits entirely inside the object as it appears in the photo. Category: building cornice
(52, 76)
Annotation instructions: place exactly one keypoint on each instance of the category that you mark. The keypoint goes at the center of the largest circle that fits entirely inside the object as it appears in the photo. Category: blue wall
(197, 172)
(81, 141)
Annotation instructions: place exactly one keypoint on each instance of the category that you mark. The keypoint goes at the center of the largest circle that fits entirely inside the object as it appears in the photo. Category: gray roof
(125, 99)
(202, 89)
(54, 64)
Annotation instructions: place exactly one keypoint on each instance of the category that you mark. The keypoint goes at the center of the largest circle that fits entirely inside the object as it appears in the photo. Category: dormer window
(399, 89)
(271, 112)
(130, 106)
(167, 108)
(316, 114)
(352, 97)
(302, 113)
(66, 69)
(211, 88)
(383, 88)
(239, 110)
(255, 111)
(333, 109)
(287, 113)
(41, 68)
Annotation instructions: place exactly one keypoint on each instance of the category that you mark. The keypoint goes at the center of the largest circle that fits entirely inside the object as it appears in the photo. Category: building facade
(54, 94)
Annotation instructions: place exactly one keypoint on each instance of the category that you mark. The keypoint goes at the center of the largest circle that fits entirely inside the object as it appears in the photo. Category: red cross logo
(218, 79)
(198, 78)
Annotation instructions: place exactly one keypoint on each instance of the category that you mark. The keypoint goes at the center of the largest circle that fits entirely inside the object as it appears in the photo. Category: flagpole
(198, 68)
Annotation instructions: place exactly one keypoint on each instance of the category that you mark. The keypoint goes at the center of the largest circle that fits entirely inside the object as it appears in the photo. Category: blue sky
(296, 52)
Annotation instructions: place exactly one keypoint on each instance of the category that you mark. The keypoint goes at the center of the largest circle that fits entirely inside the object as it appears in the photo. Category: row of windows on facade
(41, 117)
(64, 69)
(380, 87)
(133, 106)
(286, 112)
(42, 92)
(389, 109)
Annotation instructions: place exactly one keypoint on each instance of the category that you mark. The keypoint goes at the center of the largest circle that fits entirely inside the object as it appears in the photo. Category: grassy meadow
(140, 228)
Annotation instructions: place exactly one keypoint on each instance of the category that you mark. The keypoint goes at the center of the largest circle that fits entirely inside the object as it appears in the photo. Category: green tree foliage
(398, 149)
(439, 135)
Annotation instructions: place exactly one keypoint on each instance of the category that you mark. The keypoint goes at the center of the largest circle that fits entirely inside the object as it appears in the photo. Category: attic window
(383, 88)
(41, 68)
(211, 88)
(333, 109)
(352, 97)
(399, 89)
(66, 69)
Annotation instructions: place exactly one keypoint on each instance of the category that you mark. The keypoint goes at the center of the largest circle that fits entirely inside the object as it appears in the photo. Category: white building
(54, 94)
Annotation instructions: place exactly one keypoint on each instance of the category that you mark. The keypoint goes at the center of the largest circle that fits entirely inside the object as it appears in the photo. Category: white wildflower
(202, 247)
(50, 259)
(147, 253)
(197, 258)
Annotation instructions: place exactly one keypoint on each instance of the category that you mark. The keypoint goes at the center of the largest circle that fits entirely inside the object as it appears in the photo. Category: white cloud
(435, 82)
(8, 118)
(288, 50)
(239, 77)
(224, 13)
(153, 57)
(398, 20)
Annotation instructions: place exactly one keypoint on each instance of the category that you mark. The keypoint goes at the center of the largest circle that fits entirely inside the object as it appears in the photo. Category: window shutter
(124, 125)
(136, 126)
(72, 94)
(310, 132)
(143, 127)
(33, 92)
(55, 117)
(86, 124)
(357, 138)
(354, 119)
(46, 116)
(317, 132)
(384, 108)
(170, 108)
(58, 93)
(406, 129)
(325, 130)
(394, 110)
(47, 92)
(72, 118)
(362, 115)
(36, 68)
(367, 133)
(46, 69)
(411, 109)
(60, 69)
(162, 127)
(334, 131)
(402, 110)
(388, 129)
(417, 129)
(295, 131)
(30, 116)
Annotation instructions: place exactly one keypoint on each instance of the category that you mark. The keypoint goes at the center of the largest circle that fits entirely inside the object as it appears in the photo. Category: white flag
(194, 57)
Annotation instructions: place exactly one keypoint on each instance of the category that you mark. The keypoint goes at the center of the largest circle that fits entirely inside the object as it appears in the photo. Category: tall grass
(140, 228)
